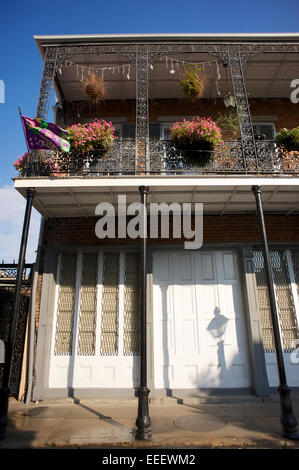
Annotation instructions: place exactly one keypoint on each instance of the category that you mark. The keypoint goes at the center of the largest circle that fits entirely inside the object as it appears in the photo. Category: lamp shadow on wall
(216, 328)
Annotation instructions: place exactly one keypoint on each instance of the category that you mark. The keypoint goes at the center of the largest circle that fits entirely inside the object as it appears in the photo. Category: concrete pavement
(227, 422)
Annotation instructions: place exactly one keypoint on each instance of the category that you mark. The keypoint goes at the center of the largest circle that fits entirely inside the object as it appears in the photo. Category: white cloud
(12, 209)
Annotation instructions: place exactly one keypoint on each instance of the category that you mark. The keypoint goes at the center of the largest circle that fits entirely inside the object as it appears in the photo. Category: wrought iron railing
(8, 274)
(163, 158)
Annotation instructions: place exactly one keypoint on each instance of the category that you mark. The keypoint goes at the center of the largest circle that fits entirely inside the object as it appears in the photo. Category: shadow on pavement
(17, 438)
(108, 419)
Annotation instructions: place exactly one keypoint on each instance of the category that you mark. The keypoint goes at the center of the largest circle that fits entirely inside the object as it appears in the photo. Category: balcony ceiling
(78, 197)
(266, 76)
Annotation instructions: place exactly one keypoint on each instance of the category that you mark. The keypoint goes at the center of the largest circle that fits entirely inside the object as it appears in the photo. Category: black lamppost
(143, 421)
(4, 390)
(287, 417)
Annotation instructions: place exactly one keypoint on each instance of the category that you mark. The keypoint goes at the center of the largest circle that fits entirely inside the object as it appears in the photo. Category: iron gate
(8, 274)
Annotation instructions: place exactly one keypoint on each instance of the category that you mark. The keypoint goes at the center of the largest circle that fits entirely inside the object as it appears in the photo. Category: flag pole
(20, 112)
(25, 135)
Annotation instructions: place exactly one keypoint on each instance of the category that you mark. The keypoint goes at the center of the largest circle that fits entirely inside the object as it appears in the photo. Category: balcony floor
(79, 196)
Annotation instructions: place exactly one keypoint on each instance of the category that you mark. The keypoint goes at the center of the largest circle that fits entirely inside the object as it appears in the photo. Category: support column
(4, 391)
(287, 418)
(44, 97)
(149, 319)
(249, 151)
(143, 422)
(256, 349)
(142, 118)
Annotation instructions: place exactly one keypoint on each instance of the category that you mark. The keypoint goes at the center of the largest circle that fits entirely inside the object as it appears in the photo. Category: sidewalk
(238, 422)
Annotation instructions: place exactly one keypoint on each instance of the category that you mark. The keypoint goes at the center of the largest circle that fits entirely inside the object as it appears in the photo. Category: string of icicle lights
(125, 69)
(81, 69)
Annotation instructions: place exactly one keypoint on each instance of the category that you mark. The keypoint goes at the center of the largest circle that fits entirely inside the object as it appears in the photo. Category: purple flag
(40, 134)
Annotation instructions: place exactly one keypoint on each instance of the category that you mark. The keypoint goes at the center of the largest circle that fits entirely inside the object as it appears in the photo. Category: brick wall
(226, 228)
(217, 229)
(286, 112)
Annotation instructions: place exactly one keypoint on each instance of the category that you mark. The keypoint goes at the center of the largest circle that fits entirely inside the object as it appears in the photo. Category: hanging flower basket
(97, 136)
(196, 139)
(193, 82)
(94, 88)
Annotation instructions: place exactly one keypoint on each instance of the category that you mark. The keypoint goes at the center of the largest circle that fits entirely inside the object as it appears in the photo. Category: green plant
(288, 138)
(193, 81)
(229, 122)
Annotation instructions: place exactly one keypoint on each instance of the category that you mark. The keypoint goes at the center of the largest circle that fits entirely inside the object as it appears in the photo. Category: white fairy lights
(125, 70)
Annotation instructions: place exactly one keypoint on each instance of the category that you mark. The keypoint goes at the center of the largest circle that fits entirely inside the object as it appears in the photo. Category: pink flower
(198, 129)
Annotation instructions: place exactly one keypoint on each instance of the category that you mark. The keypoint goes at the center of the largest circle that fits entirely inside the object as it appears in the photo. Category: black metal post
(143, 421)
(287, 417)
(4, 391)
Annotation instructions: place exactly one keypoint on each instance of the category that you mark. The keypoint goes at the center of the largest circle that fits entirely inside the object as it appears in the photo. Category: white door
(95, 339)
(199, 328)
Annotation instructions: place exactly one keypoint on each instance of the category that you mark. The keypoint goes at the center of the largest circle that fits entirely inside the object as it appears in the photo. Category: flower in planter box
(96, 135)
(196, 138)
(21, 164)
(43, 163)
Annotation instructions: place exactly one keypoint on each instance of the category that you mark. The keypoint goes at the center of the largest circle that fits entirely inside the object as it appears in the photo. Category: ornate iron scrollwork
(164, 158)
(8, 274)
(46, 83)
(143, 55)
(236, 60)
(142, 124)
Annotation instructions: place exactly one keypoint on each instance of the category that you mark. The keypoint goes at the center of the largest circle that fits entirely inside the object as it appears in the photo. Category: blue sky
(21, 64)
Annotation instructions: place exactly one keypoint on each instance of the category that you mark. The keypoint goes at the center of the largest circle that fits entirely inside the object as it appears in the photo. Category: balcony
(143, 101)
(163, 158)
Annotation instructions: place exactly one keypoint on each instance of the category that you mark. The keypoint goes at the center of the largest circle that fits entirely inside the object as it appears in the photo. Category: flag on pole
(40, 134)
